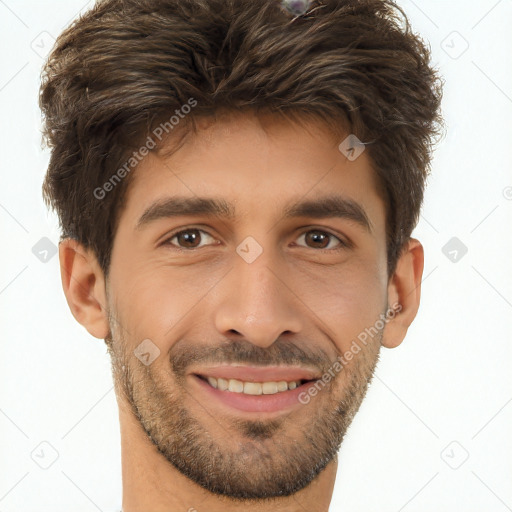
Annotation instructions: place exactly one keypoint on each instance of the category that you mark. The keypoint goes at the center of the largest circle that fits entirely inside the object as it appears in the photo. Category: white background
(445, 394)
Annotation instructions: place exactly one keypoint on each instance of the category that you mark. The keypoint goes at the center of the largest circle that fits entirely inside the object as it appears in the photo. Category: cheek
(157, 302)
(347, 300)
(142, 308)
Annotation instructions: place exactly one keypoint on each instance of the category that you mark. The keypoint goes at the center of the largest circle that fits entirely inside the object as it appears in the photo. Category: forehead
(258, 164)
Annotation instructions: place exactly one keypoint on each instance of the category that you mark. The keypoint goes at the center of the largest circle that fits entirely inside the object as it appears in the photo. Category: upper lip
(258, 373)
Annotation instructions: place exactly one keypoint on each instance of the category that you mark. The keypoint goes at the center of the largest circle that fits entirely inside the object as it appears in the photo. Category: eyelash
(342, 245)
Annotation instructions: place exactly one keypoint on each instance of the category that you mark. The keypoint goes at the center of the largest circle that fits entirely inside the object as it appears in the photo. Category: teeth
(269, 388)
(252, 388)
(222, 384)
(237, 386)
(282, 385)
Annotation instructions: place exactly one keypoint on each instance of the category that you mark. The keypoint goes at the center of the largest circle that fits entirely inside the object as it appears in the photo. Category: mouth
(253, 388)
(271, 391)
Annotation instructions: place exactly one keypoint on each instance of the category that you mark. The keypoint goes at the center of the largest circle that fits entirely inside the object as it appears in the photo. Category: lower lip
(281, 401)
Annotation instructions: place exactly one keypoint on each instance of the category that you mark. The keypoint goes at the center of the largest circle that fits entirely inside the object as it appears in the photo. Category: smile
(248, 397)
(252, 388)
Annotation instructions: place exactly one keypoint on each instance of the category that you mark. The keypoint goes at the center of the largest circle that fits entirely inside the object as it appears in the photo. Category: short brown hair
(126, 65)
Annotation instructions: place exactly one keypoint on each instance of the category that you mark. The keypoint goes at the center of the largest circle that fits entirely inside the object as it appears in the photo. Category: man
(237, 183)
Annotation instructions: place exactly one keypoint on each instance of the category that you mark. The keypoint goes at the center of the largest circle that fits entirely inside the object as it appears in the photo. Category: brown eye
(187, 239)
(318, 239)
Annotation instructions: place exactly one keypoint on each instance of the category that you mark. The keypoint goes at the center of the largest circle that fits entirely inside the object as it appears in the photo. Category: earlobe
(404, 290)
(84, 287)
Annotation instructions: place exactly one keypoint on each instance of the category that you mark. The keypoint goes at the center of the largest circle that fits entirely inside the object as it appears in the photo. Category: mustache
(185, 354)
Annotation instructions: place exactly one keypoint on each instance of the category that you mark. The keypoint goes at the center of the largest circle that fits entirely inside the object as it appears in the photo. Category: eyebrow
(331, 206)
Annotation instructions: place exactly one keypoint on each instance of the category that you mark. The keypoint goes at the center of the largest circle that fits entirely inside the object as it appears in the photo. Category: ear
(404, 288)
(84, 287)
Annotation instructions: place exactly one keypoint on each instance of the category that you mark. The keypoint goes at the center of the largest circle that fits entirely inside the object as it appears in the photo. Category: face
(273, 287)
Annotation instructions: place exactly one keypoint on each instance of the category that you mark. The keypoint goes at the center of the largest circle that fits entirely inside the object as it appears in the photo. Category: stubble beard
(241, 459)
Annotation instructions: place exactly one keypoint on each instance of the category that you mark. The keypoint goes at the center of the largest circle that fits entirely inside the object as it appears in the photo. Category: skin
(296, 304)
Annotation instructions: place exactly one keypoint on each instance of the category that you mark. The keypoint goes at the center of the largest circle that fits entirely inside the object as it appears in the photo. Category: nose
(257, 302)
